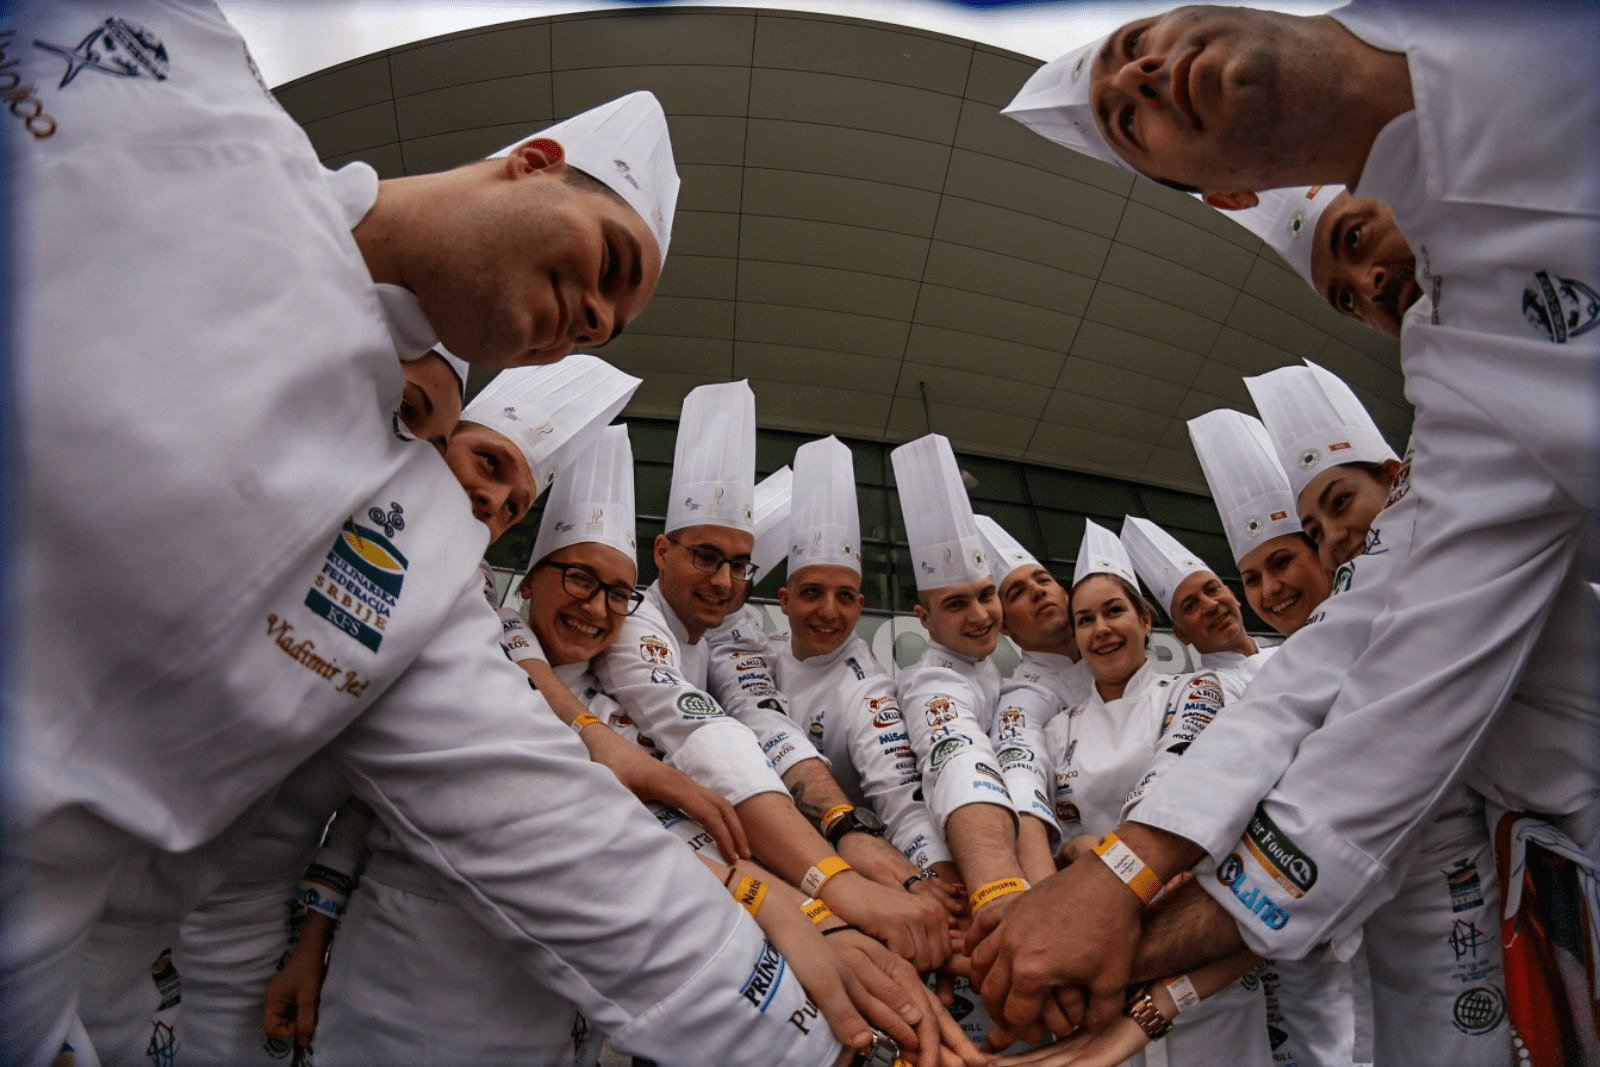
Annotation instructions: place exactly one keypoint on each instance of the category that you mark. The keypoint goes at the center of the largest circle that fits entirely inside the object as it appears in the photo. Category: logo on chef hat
(1310, 458)
(625, 171)
(1297, 225)
(1079, 67)
(848, 549)
(1560, 308)
(1253, 525)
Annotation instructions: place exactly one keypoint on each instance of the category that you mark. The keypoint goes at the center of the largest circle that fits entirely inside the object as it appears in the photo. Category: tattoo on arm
(809, 810)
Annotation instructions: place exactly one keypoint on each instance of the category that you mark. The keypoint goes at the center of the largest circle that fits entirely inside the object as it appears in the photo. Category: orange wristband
(816, 911)
(750, 894)
(818, 876)
(997, 889)
(1144, 882)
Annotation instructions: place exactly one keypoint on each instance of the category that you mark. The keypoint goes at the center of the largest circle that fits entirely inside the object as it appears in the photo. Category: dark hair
(588, 183)
(1175, 185)
(1375, 471)
(1145, 609)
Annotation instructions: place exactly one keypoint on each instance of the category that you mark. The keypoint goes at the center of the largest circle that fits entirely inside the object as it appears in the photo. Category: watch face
(867, 819)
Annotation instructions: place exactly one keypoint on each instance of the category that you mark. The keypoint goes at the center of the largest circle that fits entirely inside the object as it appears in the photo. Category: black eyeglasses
(710, 561)
(581, 585)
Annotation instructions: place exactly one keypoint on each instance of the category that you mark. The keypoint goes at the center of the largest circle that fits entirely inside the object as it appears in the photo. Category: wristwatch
(1142, 1010)
(883, 1052)
(862, 819)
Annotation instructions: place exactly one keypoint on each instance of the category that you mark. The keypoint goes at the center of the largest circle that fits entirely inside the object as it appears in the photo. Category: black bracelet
(921, 876)
(839, 929)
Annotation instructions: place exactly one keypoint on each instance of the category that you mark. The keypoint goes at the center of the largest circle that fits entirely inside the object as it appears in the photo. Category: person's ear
(659, 550)
(783, 600)
(1230, 201)
(538, 154)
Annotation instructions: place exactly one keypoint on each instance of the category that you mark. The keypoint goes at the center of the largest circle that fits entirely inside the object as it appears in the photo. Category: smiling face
(494, 473)
(1338, 505)
(1285, 581)
(430, 406)
(1206, 614)
(1035, 607)
(1112, 628)
(1199, 97)
(1361, 263)
(701, 600)
(964, 618)
(823, 604)
(531, 259)
(571, 630)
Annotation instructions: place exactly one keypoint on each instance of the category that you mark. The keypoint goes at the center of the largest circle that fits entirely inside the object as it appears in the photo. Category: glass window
(651, 486)
(997, 479)
(653, 440)
(1176, 511)
(1082, 493)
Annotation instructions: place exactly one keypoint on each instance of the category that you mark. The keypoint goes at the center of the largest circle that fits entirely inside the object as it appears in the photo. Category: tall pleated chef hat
(1159, 558)
(1249, 486)
(1315, 422)
(824, 526)
(945, 546)
(714, 463)
(1286, 219)
(592, 499)
(552, 412)
(773, 501)
(456, 363)
(1054, 103)
(1101, 553)
(625, 145)
(1006, 553)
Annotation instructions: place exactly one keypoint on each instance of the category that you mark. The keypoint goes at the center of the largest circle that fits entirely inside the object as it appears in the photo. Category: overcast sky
(292, 38)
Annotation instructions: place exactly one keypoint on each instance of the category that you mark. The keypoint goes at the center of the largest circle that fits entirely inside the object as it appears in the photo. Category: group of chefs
(287, 778)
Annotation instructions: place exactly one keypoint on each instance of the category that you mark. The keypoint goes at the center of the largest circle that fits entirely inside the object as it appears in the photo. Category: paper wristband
(750, 893)
(816, 910)
(324, 890)
(818, 876)
(586, 719)
(835, 812)
(1144, 882)
(997, 889)
(1183, 994)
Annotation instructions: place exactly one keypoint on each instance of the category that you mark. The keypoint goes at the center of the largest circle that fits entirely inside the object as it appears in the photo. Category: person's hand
(1076, 849)
(914, 927)
(876, 858)
(649, 779)
(944, 887)
(1103, 1047)
(890, 979)
(290, 1011)
(1079, 927)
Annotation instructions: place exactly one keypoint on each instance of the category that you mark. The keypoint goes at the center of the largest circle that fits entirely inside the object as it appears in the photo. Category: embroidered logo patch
(1479, 1010)
(1466, 891)
(1560, 308)
(697, 706)
(116, 47)
(940, 710)
(359, 585)
(654, 650)
(765, 977)
(1279, 857)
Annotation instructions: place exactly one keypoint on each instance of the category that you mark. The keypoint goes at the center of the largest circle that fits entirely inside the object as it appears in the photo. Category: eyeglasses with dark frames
(582, 585)
(710, 561)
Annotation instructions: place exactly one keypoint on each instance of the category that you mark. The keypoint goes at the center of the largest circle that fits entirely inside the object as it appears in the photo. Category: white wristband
(1183, 995)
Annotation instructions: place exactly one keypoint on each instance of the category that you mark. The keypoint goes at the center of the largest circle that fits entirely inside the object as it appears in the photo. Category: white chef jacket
(740, 674)
(1042, 684)
(659, 678)
(845, 702)
(237, 629)
(1235, 670)
(948, 704)
(1100, 755)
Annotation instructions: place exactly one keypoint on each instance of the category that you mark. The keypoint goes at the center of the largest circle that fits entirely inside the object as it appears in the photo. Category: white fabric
(1006, 553)
(1099, 755)
(1315, 422)
(659, 679)
(1054, 103)
(624, 144)
(554, 412)
(824, 526)
(592, 499)
(773, 501)
(1236, 670)
(1042, 685)
(741, 673)
(191, 708)
(845, 703)
(1247, 483)
(1286, 219)
(947, 703)
(943, 536)
(1159, 558)
(456, 364)
(1100, 552)
(714, 460)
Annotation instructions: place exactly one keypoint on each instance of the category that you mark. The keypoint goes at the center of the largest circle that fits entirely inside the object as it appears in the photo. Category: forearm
(1183, 932)
(814, 789)
(983, 840)
(1033, 849)
(781, 837)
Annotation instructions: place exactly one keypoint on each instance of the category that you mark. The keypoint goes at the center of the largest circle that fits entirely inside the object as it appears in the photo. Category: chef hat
(456, 363)
(1101, 553)
(552, 412)
(592, 499)
(1055, 104)
(1287, 220)
(1006, 553)
(714, 464)
(1315, 422)
(1160, 558)
(626, 146)
(773, 500)
(1247, 483)
(945, 546)
(824, 526)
